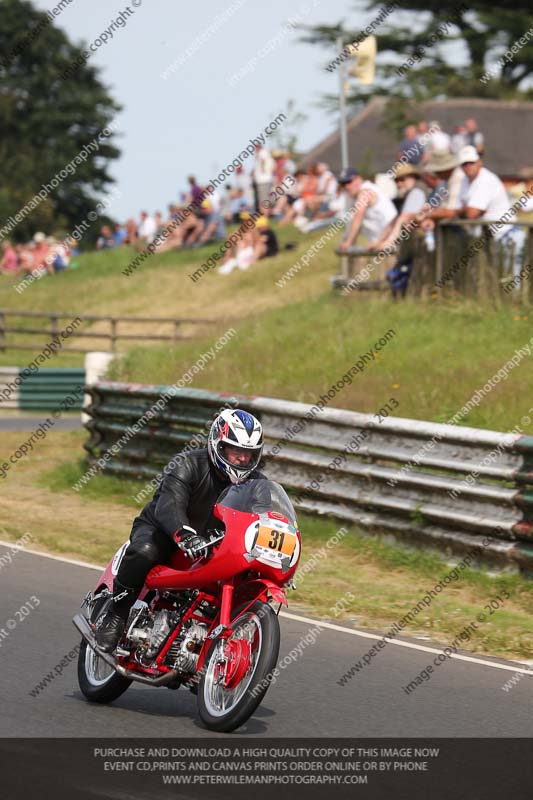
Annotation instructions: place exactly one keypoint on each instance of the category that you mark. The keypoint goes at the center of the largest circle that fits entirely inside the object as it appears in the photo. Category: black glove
(188, 540)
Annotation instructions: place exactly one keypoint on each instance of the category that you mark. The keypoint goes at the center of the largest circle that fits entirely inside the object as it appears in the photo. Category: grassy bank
(295, 342)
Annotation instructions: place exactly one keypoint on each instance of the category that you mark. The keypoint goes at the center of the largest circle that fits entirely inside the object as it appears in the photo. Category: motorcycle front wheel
(238, 671)
(98, 681)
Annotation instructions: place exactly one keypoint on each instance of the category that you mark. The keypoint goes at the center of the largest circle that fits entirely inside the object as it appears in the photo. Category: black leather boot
(111, 627)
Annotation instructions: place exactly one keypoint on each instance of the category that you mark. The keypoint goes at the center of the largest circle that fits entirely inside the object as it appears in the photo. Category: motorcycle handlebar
(214, 537)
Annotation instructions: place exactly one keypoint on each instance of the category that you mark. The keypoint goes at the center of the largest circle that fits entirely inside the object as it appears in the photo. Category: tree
(485, 32)
(46, 121)
(286, 137)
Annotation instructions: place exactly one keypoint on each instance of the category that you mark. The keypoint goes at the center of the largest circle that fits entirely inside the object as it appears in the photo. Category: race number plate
(275, 540)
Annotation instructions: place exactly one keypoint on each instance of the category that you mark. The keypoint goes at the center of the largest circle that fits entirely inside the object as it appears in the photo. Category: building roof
(507, 126)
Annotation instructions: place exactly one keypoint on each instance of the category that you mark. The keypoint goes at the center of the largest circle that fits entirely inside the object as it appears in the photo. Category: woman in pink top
(9, 263)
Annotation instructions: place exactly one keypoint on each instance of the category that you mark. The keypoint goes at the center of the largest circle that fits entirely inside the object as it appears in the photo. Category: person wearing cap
(413, 197)
(483, 197)
(372, 209)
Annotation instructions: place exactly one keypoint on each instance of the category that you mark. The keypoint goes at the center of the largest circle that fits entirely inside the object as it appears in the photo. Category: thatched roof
(506, 124)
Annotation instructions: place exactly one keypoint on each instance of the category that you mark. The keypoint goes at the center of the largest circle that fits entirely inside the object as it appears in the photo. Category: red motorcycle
(208, 625)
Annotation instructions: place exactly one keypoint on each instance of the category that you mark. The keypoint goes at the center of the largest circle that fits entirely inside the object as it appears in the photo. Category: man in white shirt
(263, 174)
(147, 227)
(373, 210)
(484, 197)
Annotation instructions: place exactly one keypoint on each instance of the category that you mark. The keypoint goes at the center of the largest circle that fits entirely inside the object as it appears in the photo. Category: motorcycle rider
(181, 510)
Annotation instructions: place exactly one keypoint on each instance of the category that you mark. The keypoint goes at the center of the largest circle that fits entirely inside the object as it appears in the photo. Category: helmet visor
(243, 457)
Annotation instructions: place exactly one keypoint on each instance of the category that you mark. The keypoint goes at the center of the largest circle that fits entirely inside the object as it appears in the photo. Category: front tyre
(97, 679)
(237, 671)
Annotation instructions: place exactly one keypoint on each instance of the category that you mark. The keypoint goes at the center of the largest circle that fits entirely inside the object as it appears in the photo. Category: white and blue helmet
(238, 431)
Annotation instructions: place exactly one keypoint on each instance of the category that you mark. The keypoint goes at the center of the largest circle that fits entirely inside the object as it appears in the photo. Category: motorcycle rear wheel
(223, 709)
(97, 680)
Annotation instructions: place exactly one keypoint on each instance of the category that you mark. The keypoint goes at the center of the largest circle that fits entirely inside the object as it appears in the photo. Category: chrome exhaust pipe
(80, 622)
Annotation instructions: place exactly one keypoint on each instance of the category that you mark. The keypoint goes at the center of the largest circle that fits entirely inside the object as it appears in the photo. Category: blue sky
(195, 120)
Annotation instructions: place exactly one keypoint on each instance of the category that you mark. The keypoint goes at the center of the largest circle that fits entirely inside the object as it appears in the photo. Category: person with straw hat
(406, 178)
(445, 166)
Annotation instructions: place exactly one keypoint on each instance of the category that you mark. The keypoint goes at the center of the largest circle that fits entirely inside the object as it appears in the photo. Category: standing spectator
(484, 198)
(438, 141)
(243, 182)
(473, 136)
(373, 210)
(9, 262)
(225, 204)
(413, 199)
(445, 167)
(410, 150)
(147, 227)
(458, 139)
(263, 175)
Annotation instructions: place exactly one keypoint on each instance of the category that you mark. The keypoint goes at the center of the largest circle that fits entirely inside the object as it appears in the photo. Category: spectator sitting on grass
(325, 193)
(243, 255)
(239, 204)
(9, 262)
(196, 192)
(306, 188)
(214, 228)
(373, 210)
(106, 240)
(406, 177)
(329, 212)
(120, 235)
(131, 232)
(40, 252)
(58, 255)
(267, 242)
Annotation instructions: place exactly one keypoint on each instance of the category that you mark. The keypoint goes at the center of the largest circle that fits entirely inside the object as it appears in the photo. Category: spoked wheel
(97, 679)
(237, 671)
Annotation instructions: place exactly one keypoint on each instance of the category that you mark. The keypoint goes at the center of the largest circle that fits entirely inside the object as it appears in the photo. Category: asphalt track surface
(462, 699)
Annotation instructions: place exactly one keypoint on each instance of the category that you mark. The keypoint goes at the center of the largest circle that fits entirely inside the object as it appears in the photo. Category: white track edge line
(298, 618)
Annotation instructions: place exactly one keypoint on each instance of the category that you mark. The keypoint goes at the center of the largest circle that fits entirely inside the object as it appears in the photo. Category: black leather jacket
(186, 495)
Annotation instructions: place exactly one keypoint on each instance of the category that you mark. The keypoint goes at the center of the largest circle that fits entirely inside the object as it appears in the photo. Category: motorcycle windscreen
(271, 537)
(258, 496)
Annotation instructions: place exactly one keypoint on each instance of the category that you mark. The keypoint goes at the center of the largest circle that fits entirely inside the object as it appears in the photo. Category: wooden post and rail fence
(59, 320)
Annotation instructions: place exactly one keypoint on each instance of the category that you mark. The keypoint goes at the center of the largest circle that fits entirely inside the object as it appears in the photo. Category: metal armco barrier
(43, 389)
(368, 486)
